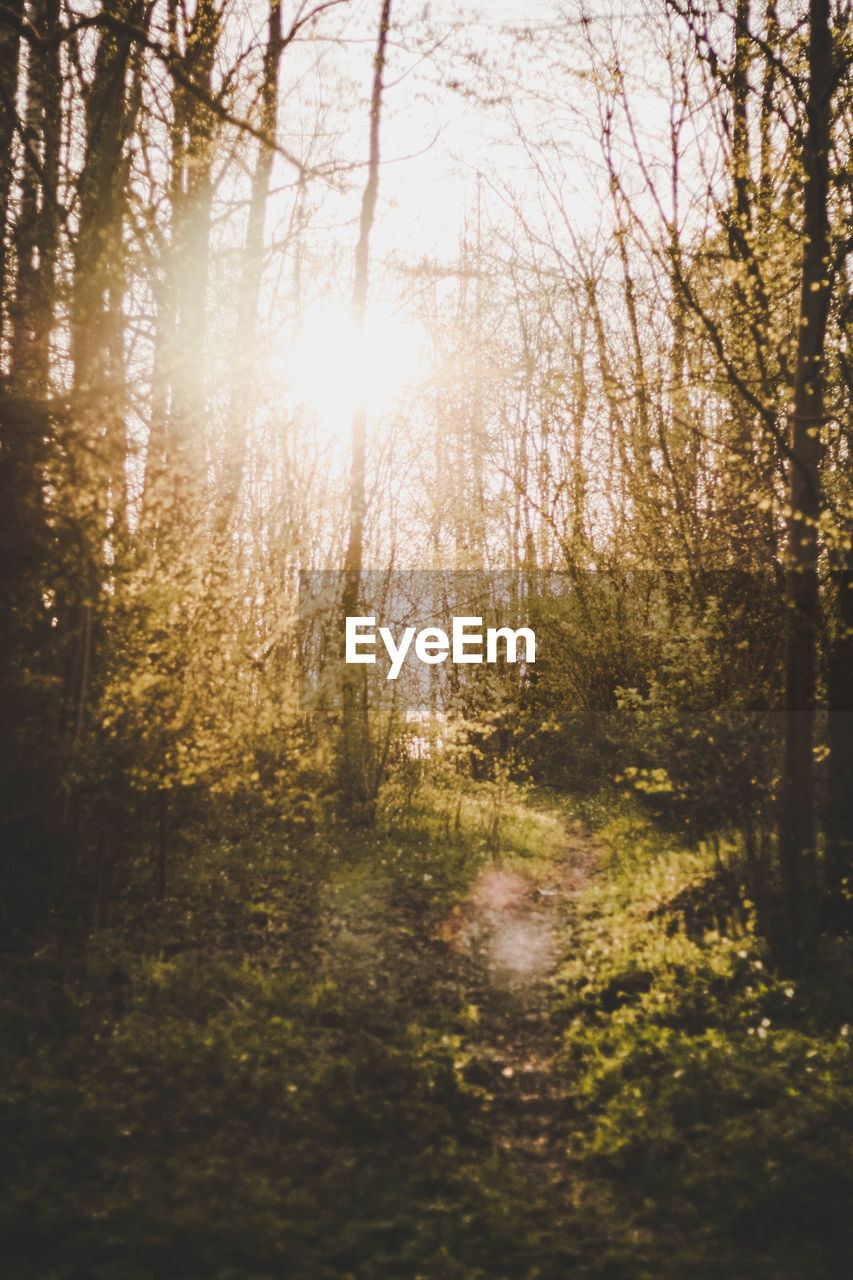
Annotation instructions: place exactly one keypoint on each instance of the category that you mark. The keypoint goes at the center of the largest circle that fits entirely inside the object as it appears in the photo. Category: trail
(505, 938)
(493, 952)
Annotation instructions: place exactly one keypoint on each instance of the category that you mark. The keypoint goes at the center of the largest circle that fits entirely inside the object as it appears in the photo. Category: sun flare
(332, 367)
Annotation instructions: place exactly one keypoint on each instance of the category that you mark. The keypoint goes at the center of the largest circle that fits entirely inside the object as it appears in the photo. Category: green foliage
(592, 641)
(713, 1091)
(269, 1076)
(701, 739)
(670, 685)
(284, 1069)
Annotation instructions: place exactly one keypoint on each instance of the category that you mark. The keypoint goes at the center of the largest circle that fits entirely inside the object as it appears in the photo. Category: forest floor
(505, 937)
(471, 1044)
(498, 945)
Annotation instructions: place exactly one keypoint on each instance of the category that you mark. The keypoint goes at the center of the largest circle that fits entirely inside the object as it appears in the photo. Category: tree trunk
(193, 129)
(250, 287)
(354, 765)
(798, 834)
(10, 42)
(839, 808)
(25, 433)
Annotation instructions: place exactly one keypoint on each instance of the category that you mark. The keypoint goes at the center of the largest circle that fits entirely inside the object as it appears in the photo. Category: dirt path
(505, 938)
(494, 953)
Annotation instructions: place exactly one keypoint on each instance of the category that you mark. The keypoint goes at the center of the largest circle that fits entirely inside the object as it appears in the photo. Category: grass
(262, 1076)
(716, 1094)
(282, 1071)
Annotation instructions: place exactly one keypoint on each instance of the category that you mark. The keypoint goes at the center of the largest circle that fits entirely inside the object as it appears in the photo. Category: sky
(476, 98)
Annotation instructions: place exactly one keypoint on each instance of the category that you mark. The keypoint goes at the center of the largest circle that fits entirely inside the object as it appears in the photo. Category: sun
(332, 368)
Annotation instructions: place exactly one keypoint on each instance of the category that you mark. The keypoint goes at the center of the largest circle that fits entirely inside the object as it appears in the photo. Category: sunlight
(332, 368)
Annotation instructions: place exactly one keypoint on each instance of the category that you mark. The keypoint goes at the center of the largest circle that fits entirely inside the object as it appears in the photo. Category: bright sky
(477, 96)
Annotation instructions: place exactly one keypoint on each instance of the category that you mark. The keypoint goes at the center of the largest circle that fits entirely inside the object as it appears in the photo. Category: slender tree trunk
(193, 130)
(37, 233)
(98, 423)
(839, 809)
(102, 194)
(253, 261)
(162, 817)
(798, 834)
(355, 766)
(175, 466)
(10, 42)
(97, 322)
(26, 429)
(30, 551)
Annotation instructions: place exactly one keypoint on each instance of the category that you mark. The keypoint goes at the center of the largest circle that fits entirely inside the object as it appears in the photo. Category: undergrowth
(281, 1070)
(265, 1074)
(714, 1094)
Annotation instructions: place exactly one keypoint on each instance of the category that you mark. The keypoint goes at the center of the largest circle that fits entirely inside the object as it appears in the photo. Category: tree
(356, 764)
(775, 85)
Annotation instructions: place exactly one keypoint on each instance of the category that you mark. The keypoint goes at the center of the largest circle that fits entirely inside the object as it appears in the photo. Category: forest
(342, 330)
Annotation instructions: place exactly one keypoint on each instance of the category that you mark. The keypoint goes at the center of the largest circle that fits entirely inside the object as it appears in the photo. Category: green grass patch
(265, 1075)
(713, 1092)
(282, 1070)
